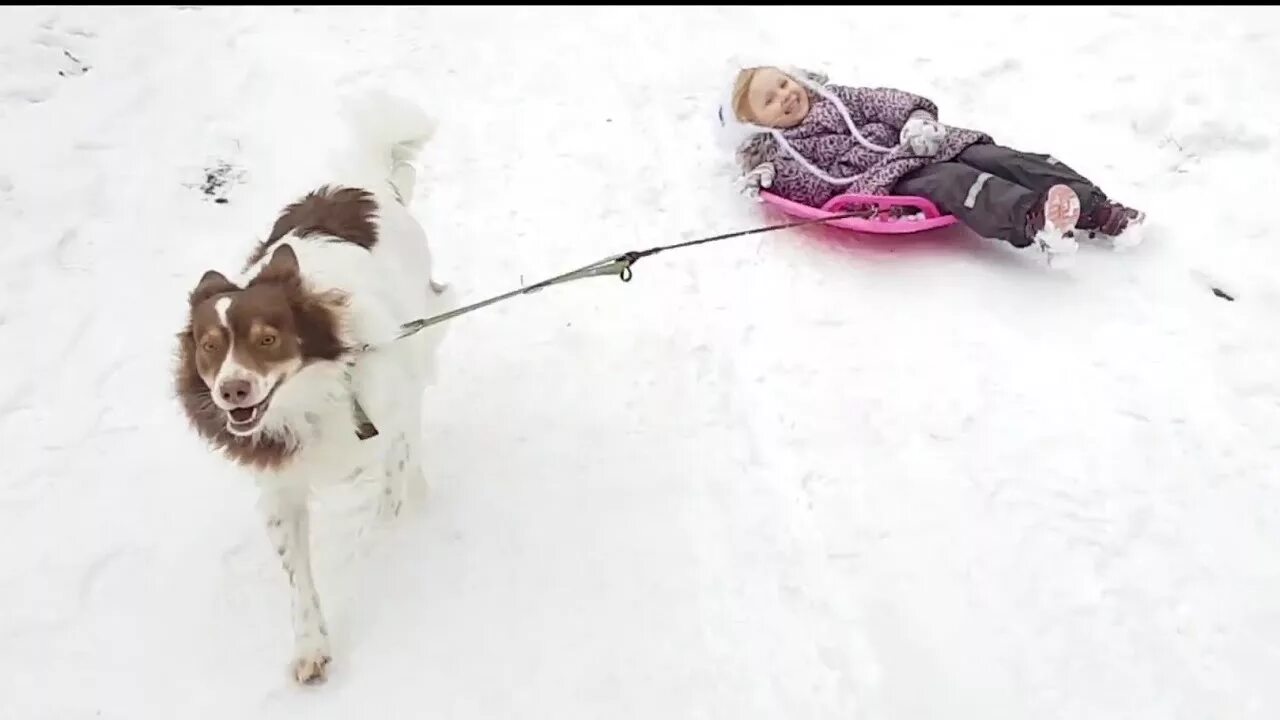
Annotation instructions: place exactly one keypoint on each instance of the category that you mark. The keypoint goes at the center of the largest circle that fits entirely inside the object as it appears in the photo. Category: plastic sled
(885, 214)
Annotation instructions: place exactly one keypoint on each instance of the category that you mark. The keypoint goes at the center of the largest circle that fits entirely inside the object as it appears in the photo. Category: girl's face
(776, 100)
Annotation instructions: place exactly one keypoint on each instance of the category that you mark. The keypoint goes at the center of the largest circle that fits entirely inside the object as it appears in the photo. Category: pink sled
(881, 223)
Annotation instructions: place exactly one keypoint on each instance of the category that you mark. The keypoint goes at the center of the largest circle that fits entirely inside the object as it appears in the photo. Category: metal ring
(626, 273)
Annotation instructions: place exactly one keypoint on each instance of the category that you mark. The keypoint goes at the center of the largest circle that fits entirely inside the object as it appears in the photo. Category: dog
(269, 365)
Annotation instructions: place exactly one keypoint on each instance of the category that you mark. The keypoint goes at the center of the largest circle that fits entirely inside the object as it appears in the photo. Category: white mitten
(923, 135)
(761, 176)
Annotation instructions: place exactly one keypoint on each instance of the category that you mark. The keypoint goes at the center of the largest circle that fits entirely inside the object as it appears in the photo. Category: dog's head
(243, 343)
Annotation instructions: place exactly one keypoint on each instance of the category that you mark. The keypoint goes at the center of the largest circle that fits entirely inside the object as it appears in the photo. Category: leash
(619, 265)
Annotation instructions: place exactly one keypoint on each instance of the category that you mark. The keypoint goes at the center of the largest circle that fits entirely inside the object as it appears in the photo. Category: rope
(619, 265)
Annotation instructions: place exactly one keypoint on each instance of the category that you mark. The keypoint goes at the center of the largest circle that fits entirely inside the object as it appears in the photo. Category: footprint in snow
(73, 66)
(63, 41)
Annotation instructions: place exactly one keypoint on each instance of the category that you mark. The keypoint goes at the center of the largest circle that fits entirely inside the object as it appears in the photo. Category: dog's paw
(311, 668)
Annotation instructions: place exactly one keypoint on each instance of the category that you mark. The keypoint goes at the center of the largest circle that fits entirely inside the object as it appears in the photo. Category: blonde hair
(741, 86)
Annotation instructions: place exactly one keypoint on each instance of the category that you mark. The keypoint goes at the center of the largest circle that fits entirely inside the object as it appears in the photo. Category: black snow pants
(992, 189)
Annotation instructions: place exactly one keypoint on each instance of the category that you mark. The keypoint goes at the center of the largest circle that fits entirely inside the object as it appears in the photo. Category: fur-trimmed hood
(733, 133)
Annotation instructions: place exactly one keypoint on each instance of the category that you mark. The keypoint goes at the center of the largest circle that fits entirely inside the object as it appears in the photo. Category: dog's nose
(234, 391)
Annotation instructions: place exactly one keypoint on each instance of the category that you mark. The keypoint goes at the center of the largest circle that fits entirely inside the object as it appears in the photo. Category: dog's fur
(265, 370)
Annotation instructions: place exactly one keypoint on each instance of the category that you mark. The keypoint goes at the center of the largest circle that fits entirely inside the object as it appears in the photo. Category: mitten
(761, 176)
(923, 135)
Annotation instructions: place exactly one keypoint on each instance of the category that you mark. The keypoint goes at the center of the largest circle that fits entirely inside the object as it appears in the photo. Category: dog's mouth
(246, 420)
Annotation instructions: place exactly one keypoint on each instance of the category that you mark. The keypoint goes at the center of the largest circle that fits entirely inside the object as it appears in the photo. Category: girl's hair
(741, 85)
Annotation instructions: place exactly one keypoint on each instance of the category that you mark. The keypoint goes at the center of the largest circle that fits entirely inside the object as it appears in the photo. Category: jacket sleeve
(794, 182)
(791, 180)
(884, 105)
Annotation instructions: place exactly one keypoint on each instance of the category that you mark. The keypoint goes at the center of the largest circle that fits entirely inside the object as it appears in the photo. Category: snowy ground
(780, 477)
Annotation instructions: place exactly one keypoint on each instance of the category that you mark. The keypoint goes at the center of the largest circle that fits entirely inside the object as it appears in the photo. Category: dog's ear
(282, 267)
(211, 283)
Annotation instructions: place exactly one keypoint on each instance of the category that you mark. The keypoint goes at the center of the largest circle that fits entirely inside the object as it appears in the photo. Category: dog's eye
(268, 340)
(208, 347)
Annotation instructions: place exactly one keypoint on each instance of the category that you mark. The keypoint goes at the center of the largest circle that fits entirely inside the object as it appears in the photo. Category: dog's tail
(390, 132)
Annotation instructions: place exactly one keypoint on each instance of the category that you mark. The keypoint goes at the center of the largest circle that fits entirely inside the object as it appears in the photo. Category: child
(808, 142)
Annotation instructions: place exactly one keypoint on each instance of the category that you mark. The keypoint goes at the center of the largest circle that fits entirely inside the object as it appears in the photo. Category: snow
(785, 476)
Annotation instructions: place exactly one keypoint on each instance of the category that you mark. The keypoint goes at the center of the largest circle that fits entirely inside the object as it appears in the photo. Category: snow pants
(992, 189)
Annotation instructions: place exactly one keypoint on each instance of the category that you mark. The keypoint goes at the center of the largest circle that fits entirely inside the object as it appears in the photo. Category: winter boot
(1115, 222)
(1050, 223)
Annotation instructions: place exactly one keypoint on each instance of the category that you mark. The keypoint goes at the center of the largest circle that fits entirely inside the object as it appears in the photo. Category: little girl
(808, 142)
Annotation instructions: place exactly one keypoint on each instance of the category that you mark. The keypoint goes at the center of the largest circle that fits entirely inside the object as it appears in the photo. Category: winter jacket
(824, 139)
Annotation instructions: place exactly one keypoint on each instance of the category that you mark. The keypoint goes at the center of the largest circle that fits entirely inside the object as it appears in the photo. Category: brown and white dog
(265, 372)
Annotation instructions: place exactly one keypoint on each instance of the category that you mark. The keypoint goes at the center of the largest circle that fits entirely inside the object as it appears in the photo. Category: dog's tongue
(241, 415)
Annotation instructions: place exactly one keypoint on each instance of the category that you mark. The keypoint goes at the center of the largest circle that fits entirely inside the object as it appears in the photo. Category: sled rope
(619, 265)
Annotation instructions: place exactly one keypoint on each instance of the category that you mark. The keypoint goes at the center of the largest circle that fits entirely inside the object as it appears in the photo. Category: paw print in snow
(63, 40)
(76, 67)
(32, 69)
